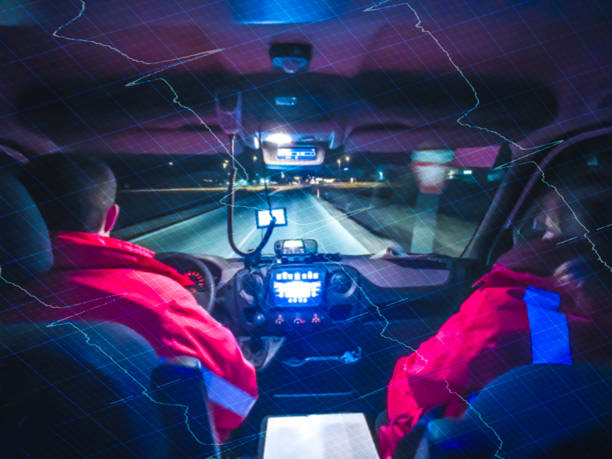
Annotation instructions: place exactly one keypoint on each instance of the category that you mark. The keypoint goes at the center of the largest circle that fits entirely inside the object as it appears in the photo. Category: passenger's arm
(480, 342)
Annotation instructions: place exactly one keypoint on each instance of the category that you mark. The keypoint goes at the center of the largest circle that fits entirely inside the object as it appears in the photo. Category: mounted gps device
(264, 217)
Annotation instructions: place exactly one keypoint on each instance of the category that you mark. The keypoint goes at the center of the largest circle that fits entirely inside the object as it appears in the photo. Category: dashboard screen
(297, 287)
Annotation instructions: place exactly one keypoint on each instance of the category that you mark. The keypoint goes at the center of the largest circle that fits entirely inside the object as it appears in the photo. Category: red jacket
(97, 278)
(512, 319)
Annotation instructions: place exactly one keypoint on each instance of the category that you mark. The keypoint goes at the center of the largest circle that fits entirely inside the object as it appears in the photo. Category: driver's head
(73, 193)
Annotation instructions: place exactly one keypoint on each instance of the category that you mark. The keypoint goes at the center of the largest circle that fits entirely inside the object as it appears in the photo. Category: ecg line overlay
(167, 64)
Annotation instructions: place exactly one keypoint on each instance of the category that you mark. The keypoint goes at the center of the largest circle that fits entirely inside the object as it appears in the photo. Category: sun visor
(484, 156)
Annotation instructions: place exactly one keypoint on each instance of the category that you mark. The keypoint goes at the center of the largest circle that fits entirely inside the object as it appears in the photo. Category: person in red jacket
(534, 306)
(99, 278)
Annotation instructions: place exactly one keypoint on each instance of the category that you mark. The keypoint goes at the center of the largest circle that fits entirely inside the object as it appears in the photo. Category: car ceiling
(130, 77)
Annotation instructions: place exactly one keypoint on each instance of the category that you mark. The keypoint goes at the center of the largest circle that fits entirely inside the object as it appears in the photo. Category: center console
(296, 291)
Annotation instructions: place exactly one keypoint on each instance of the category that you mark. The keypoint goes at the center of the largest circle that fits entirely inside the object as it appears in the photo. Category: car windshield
(357, 204)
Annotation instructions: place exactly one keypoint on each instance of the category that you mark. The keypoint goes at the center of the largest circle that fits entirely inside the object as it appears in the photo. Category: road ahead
(307, 215)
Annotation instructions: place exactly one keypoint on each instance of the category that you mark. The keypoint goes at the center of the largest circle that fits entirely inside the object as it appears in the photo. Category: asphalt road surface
(308, 217)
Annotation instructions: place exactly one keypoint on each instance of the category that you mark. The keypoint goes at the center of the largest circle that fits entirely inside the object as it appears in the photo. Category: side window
(533, 224)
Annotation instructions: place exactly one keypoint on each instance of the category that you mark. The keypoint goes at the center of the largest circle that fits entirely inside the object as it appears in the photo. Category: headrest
(25, 248)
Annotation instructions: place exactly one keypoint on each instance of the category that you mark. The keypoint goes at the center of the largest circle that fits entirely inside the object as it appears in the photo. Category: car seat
(532, 411)
(73, 389)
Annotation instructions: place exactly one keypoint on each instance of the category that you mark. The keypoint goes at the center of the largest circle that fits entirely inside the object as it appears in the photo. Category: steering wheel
(196, 270)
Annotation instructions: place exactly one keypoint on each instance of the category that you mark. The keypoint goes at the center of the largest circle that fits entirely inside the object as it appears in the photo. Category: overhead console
(298, 291)
(305, 155)
(282, 149)
(299, 145)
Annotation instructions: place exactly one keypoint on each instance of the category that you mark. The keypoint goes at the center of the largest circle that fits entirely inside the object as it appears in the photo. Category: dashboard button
(316, 319)
(280, 320)
(340, 283)
(252, 283)
(297, 320)
(259, 319)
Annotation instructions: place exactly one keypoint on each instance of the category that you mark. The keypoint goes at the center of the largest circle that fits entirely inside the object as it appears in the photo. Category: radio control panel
(283, 298)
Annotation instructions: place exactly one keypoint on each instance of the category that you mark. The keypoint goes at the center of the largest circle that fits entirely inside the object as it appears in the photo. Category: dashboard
(284, 298)
(299, 291)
